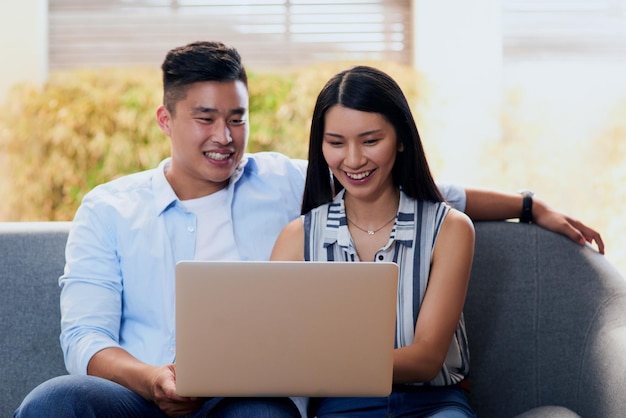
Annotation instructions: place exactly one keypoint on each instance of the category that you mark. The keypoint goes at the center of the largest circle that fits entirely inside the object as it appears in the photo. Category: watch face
(528, 193)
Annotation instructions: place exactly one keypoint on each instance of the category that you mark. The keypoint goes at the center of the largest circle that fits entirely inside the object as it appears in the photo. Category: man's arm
(157, 384)
(489, 205)
(91, 311)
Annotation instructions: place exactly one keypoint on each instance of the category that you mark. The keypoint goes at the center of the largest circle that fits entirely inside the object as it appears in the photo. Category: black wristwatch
(526, 216)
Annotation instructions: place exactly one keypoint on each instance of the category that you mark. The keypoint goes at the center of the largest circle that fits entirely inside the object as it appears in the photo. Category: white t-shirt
(213, 226)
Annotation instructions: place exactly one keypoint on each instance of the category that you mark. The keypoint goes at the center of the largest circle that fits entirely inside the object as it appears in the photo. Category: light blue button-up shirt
(117, 289)
(128, 235)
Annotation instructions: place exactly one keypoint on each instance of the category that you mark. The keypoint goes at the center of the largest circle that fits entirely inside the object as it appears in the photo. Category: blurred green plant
(82, 128)
(85, 127)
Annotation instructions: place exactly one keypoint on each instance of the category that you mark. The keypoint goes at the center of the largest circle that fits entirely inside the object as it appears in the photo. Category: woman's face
(360, 149)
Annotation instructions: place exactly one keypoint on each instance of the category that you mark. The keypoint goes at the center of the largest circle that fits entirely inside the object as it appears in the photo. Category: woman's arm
(289, 245)
(443, 302)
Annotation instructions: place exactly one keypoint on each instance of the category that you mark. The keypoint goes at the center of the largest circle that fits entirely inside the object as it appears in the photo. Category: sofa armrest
(32, 259)
(602, 385)
(546, 320)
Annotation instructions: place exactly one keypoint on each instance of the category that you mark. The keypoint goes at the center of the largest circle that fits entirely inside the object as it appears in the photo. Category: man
(208, 201)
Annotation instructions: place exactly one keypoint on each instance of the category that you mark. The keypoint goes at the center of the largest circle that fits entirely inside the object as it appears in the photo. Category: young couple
(367, 195)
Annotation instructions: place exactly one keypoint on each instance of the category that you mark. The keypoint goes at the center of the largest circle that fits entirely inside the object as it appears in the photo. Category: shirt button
(380, 257)
(190, 228)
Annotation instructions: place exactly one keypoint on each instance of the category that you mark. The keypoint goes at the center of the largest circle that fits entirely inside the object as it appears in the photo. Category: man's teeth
(216, 155)
(358, 176)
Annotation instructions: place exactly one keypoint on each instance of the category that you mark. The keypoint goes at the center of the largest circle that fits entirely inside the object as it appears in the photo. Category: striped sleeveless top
(410, 246)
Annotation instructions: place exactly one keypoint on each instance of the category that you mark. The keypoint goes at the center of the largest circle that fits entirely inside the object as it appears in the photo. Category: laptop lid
(285, 328)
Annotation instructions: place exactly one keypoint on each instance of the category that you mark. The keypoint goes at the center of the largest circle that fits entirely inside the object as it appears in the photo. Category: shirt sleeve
(301, 165)
(91, 291)
(454, 195)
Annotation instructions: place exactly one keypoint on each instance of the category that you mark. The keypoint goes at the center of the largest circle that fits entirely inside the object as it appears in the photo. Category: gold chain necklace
(371, 231)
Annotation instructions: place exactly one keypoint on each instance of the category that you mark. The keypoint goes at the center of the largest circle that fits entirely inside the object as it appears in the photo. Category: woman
(370, 196)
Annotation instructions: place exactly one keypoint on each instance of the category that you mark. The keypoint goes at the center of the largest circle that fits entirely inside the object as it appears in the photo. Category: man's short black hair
(196, 62)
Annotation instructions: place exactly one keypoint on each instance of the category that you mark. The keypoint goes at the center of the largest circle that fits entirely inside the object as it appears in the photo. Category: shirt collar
(165, 197)
(247, 164)
(337, 231)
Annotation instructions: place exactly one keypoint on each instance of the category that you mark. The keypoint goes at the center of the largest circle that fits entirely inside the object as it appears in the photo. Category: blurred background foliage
(88, 126)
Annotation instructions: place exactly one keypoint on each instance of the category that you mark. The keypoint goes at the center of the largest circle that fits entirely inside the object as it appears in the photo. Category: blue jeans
(440, 402)
(90, 397)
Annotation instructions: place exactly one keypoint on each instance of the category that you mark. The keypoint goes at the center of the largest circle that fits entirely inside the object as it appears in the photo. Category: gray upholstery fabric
(32, 259)
(546, 321)
(549, 412)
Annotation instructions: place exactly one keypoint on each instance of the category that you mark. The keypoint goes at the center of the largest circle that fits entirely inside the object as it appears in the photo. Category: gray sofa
(546, 321)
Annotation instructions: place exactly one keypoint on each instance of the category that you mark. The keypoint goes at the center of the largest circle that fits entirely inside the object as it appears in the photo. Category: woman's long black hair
(368, 89)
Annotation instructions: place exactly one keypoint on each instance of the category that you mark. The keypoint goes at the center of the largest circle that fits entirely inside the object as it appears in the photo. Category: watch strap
(526, 216)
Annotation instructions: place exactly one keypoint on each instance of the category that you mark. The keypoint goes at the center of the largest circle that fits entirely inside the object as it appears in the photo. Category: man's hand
(156, 384)
(491, 205)
(546, 217)
(163, 393)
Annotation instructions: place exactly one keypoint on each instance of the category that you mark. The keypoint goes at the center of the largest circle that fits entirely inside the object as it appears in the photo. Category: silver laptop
(285, 328)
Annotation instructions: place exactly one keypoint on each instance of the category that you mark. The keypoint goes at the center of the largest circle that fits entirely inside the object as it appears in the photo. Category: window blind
(268, 33)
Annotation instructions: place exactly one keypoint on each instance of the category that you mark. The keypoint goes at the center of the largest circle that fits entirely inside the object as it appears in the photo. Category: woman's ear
(400, 146)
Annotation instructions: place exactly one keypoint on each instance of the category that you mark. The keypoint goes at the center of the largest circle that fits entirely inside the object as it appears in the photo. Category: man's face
(208, 134)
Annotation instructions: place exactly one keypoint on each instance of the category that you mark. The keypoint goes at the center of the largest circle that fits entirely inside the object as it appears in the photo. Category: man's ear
(164, 118)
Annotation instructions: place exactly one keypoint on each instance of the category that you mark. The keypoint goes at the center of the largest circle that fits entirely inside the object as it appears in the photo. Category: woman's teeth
(358, 176)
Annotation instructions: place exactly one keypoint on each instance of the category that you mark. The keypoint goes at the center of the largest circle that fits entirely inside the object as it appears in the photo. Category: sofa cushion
(549, 412)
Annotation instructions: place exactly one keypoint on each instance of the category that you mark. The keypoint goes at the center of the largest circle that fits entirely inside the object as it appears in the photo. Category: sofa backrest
(545, 318)
(32, 259)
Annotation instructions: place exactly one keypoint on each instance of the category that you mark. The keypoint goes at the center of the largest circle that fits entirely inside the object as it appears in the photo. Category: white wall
(23, 43)
(458, 48)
